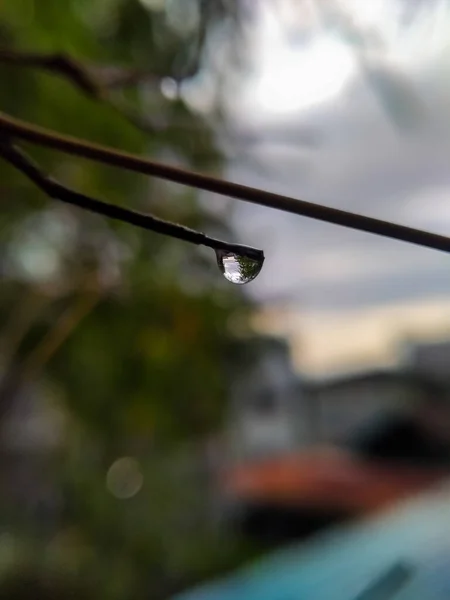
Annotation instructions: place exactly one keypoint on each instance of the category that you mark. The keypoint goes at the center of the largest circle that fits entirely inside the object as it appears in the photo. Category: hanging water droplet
(239, 268)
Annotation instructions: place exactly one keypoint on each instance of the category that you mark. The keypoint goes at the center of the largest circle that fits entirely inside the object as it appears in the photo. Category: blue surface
(342, 564)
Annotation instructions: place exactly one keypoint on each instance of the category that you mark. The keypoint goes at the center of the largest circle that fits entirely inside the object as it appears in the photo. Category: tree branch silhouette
(85, 78)
(16, 128)
(56, 190)
(81, 75)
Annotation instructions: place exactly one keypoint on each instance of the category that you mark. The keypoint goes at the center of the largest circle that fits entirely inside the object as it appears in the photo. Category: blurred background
(158, 424)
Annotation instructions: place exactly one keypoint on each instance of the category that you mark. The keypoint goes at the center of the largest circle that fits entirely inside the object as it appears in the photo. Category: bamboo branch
(16, 128)
(56, 190)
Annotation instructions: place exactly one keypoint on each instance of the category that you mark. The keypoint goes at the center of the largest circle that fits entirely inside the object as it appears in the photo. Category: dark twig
(70, 145)
(83, 76)
(60, 64)
(56, 190)
(86, 79)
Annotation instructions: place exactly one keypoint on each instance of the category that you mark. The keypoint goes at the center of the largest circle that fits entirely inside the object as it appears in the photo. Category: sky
(364, 128)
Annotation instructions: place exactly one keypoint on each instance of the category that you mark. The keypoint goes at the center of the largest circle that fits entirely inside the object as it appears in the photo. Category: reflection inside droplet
(238, 268)
(124, 478)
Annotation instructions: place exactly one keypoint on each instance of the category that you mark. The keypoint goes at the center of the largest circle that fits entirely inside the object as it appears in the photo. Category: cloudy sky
(363, 130)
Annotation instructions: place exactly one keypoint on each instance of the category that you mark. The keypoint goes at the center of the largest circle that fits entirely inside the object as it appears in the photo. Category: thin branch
(21, 372)
(94, 81)
(19, 323)
(35, 362)
(56, 190)
(16, 128)
(82, 77)
(61, 64)
(77, 72)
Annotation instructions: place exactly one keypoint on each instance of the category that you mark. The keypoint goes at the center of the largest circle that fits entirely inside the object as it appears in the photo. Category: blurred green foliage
(125, 333)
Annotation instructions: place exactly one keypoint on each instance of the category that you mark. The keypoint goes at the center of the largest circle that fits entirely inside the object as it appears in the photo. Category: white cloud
(364, 163)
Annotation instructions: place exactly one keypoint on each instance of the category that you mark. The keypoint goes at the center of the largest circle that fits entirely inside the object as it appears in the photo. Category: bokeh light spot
(124, 478)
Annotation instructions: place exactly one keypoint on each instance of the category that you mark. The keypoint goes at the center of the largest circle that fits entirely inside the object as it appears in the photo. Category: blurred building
(268, 409)
(32, 432)
(431, 359)
(274, 409)
(275, 483)
(344, 403)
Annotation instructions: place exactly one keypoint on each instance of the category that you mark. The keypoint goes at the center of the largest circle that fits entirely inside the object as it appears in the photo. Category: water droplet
(239, 268)
(124, 478)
